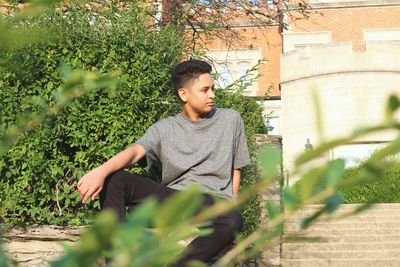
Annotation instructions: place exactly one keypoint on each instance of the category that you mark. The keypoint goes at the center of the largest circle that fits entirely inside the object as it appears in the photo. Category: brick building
(330, 21)
(347, 50)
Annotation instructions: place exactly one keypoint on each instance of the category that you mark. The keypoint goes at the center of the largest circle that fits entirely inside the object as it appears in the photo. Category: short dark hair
(187, 71)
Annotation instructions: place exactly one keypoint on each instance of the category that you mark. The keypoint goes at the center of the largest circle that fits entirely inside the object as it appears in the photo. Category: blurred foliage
(56, 122)
(4, 260)
(68, 122)
(382, 190)
(134, 244)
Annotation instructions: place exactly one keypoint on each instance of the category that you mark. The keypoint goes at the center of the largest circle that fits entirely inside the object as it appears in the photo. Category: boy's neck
(191, 115)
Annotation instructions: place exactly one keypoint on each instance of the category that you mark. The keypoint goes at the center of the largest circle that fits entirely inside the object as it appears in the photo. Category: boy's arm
(236, 181)
(91, 184)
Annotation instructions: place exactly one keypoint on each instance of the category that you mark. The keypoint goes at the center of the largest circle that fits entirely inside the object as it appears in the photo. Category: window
(244, 67)
(382, 35)
(225, 76)
(230, 65)
(293, 40)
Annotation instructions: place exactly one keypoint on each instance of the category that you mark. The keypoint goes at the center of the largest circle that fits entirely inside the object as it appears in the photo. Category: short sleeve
(150, 141)
(241, 155)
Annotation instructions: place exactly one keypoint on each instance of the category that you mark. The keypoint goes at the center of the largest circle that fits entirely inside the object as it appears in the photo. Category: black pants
(123, 189)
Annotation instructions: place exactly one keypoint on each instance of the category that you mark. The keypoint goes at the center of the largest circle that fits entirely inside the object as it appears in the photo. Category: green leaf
(269, 160)
(290, 199)
(318, 115)
(178, 208)
(142, 215)
(4, 261)
(333, 202)
(335, 172)
(363, 207)
(273, 212)
(92, 242)
(391, 107)
(273, 209)
(312, 182)
(306, 222)
(390, 149)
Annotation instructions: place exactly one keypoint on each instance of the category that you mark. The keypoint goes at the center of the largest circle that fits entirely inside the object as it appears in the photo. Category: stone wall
(38, 245)
(351, 87)
(271, 255)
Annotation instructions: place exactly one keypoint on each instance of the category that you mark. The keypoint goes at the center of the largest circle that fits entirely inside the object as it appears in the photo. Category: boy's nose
(212, 94)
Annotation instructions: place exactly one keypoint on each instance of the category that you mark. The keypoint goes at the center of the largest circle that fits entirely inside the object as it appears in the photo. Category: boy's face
(199, 95)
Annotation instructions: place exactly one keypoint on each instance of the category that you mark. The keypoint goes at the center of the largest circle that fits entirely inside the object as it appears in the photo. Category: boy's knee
(114, 182)
(232, 223)
(236, 222)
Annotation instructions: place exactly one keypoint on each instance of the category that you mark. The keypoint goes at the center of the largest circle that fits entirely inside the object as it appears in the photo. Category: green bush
(381, 189)
(384, 190)
(40, 171)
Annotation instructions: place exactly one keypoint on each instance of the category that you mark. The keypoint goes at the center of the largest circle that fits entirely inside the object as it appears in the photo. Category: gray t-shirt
(200, 152)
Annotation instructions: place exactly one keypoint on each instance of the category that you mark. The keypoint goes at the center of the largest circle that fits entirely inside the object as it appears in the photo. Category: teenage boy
(201, 145)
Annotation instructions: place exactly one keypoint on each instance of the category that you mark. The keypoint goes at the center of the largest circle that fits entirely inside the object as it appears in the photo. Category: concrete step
(329, 231)
(342, 263)
(376, 206)
(355, 254)
(341, 239)
(370, 238)
(343, 224)
(308, 247)
(352, 219)
(375, 213)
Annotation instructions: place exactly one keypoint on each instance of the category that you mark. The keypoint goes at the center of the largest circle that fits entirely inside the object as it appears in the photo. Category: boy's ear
(182, 94)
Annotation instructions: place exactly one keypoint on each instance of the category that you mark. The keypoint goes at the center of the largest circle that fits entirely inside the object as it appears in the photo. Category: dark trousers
(123, 189)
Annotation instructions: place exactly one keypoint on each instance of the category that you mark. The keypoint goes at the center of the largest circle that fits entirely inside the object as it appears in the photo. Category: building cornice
(315, 4)
(336, 73)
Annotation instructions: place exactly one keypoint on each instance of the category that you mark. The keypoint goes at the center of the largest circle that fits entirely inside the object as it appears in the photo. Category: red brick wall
(347, 24)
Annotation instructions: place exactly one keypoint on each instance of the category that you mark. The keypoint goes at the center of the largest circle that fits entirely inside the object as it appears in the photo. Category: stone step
(379, 209)
(370, 238)
(339, 246)
(45, 233)
(341, 239)
(355, 219)
(376, 206)
(380, 213)
(346, 214)
(342, 262)
(33, 246)
(354, 254)
(328, 231)
(343, 224)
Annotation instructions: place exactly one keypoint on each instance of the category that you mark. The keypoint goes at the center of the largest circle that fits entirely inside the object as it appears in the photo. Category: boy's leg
(224, 229)
(123, 189)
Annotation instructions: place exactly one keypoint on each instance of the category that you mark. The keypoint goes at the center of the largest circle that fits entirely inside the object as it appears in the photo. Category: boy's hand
(91, 184)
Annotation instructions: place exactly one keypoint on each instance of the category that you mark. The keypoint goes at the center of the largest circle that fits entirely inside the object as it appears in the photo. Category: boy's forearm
(236, 181)
(124, 159)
